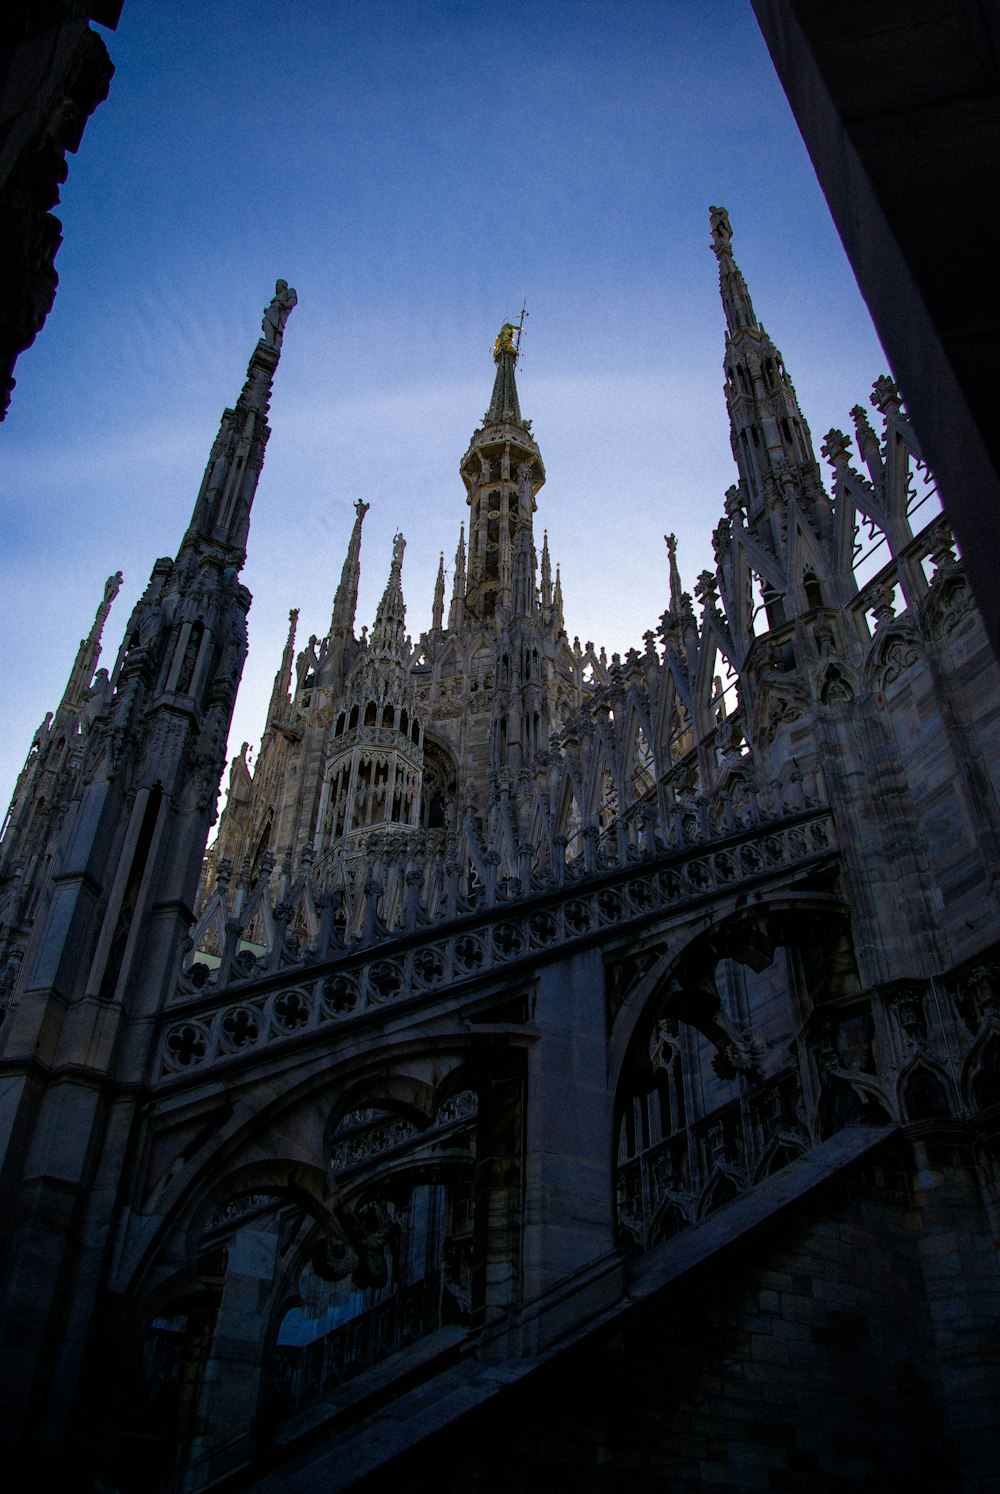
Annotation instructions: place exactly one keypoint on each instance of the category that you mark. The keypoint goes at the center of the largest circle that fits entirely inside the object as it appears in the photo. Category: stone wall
(847, 1346)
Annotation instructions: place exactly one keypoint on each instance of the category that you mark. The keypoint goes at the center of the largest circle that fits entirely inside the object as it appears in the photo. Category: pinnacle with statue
(277, 312)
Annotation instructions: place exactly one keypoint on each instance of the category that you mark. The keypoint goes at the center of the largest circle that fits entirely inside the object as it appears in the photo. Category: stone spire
(49, 778)
(456, 610)
(558, 621)
(546, 572)
(281, 693)
(502, 471)
(117, 900)
(505, 408)
(222, 509)
(770, 437)
(732, 286)
(437, 607)
(345, 603)
(524, 560)
(90, 647)
(387, 644)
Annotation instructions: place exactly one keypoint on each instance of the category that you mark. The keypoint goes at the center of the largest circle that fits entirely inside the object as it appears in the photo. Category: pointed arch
(208, 937)
(670, 1218)
(924, 1091)
(778, 1153)
(257, 921)
(723, 1186)
(569, 818)
(895, 649)
(303, 923)
(836, 683)
(639, 760)
(981, 1071)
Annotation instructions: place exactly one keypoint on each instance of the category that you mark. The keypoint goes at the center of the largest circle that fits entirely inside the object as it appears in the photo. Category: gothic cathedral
(557, 1072)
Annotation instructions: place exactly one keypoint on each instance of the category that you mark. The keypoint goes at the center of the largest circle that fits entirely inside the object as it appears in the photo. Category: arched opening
(404, 1266)
(439, 787)
(985, 1084)
(712, 1090)
(923, 1095)
(774, 605)
(813, 590)
(263, 842)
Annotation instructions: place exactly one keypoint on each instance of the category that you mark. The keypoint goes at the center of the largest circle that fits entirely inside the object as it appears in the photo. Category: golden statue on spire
(505, 342)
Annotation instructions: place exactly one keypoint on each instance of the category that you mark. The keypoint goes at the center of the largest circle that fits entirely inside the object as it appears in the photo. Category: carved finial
(885, 396)
(707, 590)
(884, 606)
(836, 448)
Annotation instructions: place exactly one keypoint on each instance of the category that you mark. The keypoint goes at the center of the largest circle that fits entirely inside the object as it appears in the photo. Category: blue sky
(414, 170)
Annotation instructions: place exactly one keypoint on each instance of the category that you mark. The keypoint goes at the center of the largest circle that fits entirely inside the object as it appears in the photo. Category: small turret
(373, 773)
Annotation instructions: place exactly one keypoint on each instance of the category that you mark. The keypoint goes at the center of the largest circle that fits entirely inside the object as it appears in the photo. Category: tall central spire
(502, 471)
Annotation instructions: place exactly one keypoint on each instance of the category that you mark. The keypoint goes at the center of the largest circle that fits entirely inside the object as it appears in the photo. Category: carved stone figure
(277, 312)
